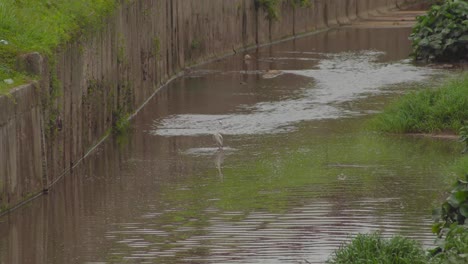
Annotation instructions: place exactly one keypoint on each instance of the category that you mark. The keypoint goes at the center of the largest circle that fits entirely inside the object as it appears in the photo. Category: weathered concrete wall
(46, 129)
(20, 145)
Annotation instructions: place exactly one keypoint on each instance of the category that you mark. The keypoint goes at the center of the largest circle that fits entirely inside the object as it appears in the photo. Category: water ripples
(308, 231)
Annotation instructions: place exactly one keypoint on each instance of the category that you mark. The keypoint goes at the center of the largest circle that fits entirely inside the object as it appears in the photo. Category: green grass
(440, 109)
(42, 26)
(372, 248)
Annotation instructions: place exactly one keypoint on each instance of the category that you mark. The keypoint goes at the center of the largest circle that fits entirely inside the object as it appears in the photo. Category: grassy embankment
(433, 110)
(42, 26)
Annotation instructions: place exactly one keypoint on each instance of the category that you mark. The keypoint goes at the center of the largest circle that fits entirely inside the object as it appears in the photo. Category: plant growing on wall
(195, 44)
(271, 7)
(302, 3)
(156, 48)
(442, 34)
(120, 121)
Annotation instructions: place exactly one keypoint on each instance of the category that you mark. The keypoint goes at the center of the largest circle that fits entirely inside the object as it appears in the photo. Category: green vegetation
(271, 7)
(156, 48)
(42, 26)
(443, 108)
(196, 44)
(121, 51)
(460, 167)
(120, 121)
(454, 247)
(450, 226)
(454, 210)
(442, 34)
(372, 248)
(51, 106)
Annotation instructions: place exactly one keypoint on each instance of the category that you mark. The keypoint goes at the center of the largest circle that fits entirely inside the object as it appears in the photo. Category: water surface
(299, 174)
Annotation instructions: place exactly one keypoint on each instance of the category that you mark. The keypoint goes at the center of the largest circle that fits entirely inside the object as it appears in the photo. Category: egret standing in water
(218, 138)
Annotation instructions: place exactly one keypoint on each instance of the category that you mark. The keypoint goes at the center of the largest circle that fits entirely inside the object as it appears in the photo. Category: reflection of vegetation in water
(464, 137)
(375, 163)
(452, 243)
(461, 166)
(289, 173)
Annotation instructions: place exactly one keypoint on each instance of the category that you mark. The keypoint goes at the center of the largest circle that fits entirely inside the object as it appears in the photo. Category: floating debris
(4, 42)
(272, 74)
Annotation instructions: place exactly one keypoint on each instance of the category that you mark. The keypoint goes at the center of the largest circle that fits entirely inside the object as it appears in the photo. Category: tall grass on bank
(438, 109)
(372, 248)
(43, 25)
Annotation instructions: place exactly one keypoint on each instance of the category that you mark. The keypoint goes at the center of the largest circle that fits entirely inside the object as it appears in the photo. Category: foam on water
(339, 78)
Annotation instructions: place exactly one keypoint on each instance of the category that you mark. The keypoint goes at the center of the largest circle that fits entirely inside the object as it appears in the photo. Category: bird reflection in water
(219, 160)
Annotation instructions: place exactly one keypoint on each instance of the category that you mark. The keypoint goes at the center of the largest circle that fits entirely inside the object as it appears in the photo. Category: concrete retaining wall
(46, 128)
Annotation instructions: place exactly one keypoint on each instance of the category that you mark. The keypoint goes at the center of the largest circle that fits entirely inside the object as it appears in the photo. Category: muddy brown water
(299, 174)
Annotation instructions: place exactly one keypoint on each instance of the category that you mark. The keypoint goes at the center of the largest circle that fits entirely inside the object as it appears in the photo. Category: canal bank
(47, 127)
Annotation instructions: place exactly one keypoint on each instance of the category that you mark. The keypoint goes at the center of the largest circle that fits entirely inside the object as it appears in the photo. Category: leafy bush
(454, 248)
(442, 34)
(450, 226)
(372, 248)
(454, 210)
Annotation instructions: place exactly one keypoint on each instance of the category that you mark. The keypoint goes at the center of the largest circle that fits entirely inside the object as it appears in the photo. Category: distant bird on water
(218, 138)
